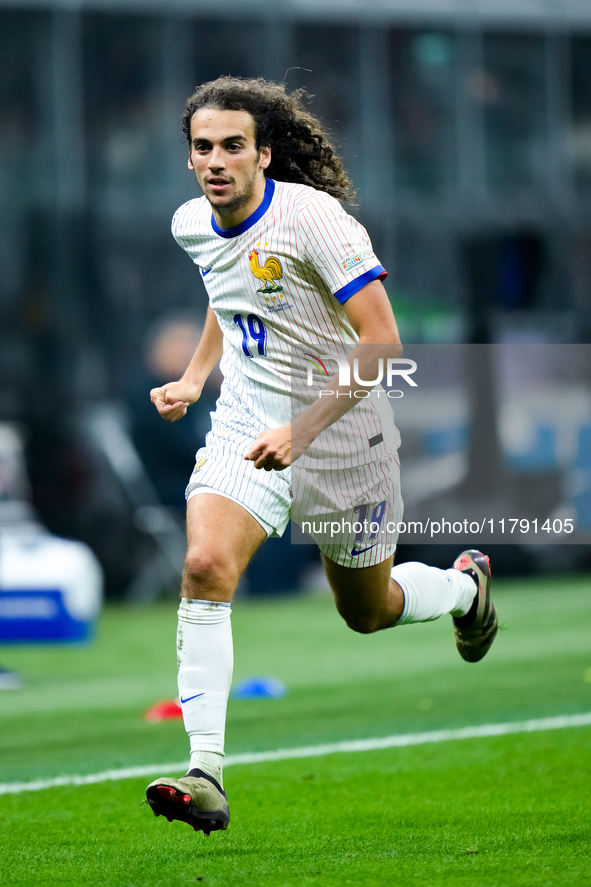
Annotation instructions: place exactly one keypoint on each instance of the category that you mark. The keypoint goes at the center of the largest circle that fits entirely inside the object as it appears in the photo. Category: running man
(290, 276)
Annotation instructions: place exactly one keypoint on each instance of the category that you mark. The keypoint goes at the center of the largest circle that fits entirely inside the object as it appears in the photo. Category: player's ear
(264, 157)
(190, 164)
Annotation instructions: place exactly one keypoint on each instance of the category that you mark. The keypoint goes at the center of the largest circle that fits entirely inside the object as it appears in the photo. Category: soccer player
(290, 276)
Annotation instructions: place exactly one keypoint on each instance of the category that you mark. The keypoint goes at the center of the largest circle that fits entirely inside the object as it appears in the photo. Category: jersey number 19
(253, 329)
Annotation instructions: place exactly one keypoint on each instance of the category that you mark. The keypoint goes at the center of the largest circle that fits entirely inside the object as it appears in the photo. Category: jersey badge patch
(358, 259)
(268, 273)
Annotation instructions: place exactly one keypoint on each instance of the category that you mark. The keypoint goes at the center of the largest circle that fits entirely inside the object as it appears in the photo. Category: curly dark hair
(300, 149)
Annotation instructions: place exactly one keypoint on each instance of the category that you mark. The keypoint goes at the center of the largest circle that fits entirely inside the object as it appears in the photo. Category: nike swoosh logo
(356, 552)
(188, 699)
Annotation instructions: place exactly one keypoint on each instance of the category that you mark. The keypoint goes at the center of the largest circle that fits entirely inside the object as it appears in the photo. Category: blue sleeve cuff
(355, 285)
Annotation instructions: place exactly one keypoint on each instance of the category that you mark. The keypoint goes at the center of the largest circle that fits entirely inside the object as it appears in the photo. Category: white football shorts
(351, 513)
(220, 469)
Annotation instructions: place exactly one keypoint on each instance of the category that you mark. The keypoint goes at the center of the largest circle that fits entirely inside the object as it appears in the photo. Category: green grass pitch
(489, 812)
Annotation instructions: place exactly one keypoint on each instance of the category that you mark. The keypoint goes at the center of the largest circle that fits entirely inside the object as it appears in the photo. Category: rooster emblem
(268, 273)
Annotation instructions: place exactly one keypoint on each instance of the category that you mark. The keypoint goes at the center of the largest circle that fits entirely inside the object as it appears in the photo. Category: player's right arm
(173, 399)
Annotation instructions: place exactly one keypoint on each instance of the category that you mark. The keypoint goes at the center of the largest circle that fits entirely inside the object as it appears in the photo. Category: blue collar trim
(252, 219)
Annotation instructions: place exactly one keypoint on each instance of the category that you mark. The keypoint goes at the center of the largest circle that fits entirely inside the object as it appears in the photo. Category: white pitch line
(314, 751)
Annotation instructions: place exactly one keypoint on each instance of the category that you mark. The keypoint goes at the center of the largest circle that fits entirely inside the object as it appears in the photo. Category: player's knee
(206, 572)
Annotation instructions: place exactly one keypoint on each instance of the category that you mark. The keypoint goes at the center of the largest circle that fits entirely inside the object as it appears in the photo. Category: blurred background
(466, 127)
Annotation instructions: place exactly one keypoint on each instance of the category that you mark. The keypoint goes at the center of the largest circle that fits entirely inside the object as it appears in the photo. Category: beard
(237, 202)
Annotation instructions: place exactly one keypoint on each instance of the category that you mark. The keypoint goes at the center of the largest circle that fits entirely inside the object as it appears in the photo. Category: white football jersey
(277, 283)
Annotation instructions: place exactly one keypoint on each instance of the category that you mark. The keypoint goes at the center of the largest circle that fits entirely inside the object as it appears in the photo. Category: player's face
(228, 166)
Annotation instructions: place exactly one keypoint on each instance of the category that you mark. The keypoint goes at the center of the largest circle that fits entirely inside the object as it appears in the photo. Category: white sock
(205, 662)
(430, 592)
(208, 761)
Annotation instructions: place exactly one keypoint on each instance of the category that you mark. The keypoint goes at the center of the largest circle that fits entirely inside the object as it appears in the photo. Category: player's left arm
(371, 316)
